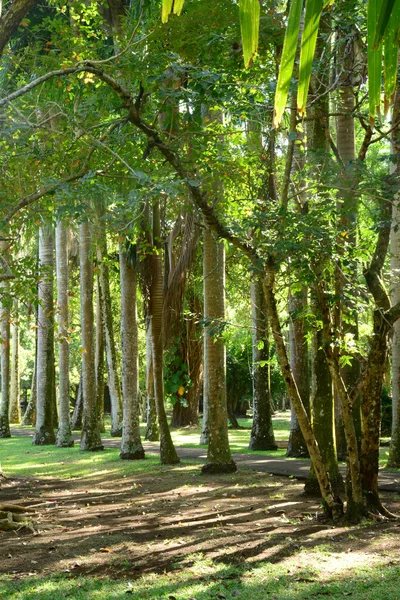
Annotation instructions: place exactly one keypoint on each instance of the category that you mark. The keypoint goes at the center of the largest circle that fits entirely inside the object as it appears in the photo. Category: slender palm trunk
(99, 358)
(29, 417)
(15, 408)
(5, 363)
(394, 452)
(131, 445)
(91, 439)
(219, 459)
(44, 432)
(108, 332)
(168, 453)
(152, 432)
(262, 433)
(348, 208)
(64, 435)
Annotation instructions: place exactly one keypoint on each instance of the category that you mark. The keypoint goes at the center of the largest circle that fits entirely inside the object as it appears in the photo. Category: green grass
(19, 458)
(189, 437)
(205, 580)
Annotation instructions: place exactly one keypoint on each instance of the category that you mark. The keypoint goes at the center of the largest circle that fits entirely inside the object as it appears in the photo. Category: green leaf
(249, 16)
(178, 5)
(287, 60)
(391, 50)
(374, 60)
(166, 10)
(308, 43)
(384, 20)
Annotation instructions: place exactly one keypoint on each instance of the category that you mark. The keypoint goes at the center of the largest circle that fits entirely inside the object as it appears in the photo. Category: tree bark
(152, 432)
(44, 432)
(168, 453)
(91, 438)
(108, 331)
(64, 434)
(219, 459)
(262, 433)
(9, 21)
(15, 408)
(5, 362)
(394, 452)
(131, 445)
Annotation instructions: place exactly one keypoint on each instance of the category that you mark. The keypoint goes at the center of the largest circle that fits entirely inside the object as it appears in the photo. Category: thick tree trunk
(108, 331)
(64, 434)
(262, 433)
(219, 459)
(5, 363)
(15, 409)
(44, 432)
(131, 445)
(168, 453)
(91, 439)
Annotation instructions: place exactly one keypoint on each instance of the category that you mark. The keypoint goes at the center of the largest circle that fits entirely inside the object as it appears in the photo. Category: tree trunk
(99, 359)
(108, 331)
(262, 433)
(29, 417)
(44, 432)
(131, 445)
(298, 347)
(152, 432)
(76, 419)
(168, 453)
(322, 402)
(394, 452)
(15, 408)
(323, 419)
(331, 507)
(348, 208)
(64, 434)
(91, 439)
(219, 459)
(5, 362)
(297, 446)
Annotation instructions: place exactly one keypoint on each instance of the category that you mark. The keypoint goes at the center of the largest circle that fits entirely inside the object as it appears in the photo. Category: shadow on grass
(208, 581)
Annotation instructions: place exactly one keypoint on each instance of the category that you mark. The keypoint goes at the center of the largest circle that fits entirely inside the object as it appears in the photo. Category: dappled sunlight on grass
(202, 578)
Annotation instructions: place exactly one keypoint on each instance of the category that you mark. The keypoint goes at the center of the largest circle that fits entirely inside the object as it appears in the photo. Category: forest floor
(171, 533)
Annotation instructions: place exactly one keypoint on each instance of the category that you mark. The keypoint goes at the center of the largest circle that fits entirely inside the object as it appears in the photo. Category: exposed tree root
(12, 517)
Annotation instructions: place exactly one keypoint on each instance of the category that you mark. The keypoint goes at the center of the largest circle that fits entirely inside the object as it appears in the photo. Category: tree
(91, 439)
(64, 435)
(131, 446)
(45, 386)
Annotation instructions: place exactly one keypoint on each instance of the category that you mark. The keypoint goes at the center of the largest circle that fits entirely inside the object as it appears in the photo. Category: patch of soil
(159, 522)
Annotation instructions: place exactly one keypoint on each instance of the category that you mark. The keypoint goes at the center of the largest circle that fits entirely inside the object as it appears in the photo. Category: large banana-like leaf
(308, 43)
(169, 6)
(287, 59)
(166, 10)
(384, 20)
(374, 60)
(249, 15)
(391, 51)
(178, 5)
